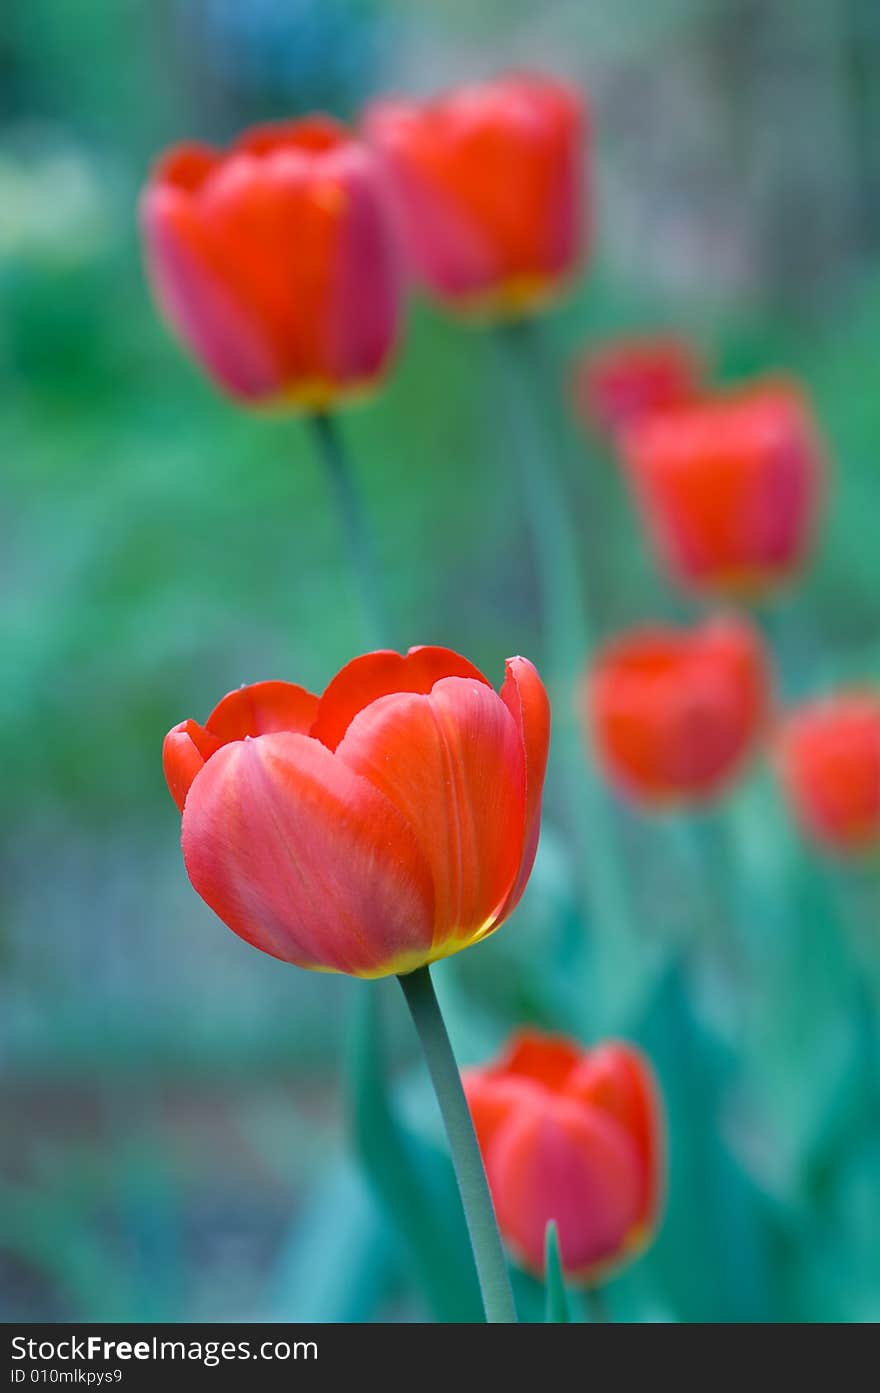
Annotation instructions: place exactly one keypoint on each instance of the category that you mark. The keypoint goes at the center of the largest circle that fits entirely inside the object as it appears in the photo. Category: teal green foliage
(557, 1310)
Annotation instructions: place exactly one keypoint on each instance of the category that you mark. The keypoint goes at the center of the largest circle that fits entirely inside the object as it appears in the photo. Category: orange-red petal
(184, 752)
(378, 674)
(828, 755)
(452, 761)
(545, 1059)
(525, 697)
(262, 708)
(307, 860)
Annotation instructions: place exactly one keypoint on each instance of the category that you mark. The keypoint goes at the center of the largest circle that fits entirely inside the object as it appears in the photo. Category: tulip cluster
(394, 819)
(281, 262)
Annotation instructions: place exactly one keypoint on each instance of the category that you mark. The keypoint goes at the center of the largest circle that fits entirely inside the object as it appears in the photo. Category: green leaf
(338, 1262)
(557, 1310)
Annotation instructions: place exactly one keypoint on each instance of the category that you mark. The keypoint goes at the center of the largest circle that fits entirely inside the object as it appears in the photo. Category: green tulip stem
(331, 448)
(569, 640)
(596, 1306)
(469, 1172)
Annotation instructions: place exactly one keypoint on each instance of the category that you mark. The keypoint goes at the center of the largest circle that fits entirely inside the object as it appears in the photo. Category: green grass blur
(174, 1129)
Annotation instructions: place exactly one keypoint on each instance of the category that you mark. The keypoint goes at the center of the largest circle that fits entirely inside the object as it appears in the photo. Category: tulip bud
(575, 1136)
(729, 487)
(674, 715)
(275, 262)
(829, 766)
(488, 183)
(624, 380)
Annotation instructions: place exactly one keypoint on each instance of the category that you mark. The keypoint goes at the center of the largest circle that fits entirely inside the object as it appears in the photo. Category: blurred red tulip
(729, 486)
(275, 262)
(674, 715)
(489, 182)
(624, 380)
(388, 823)
(573, 1135)
(829, 765)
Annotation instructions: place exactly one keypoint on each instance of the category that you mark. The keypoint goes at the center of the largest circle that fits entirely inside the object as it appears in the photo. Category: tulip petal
(575, 1166)
(306, 860)
(379, 674)
(453, 763)
(493, 1099)
(261, 709)
(617, 1079)
(186, 166)
(545, 1059)
(184, 752)
(196, 289)
(525, 697)
(367, 281)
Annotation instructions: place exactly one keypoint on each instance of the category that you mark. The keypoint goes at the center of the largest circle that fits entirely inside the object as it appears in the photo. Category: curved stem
(472, 1184)
(337, 466)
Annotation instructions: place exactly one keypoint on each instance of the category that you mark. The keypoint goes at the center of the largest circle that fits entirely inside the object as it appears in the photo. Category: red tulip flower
(489, 183)
(829, 764)
(384, 825)
(673, 714)
(625, 380)
(275, 262)
(729, 487)
(576, 1136)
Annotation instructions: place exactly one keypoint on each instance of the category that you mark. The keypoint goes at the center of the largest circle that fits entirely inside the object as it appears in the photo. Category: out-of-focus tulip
(675, 714)
(829, 766)
(729, 486)
(490, 190)
(276, 263)
(384, 825)
(573, 1135)
(625, 380)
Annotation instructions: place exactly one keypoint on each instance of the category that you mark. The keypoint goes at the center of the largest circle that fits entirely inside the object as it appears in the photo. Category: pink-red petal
(617, 1079)
(493, 1099)
(305, 859)
(575, 1166)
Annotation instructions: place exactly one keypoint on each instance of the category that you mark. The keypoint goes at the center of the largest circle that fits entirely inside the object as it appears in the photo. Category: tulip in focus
(388, 823)
(275, 262)
(489, 188)
(729, 487)
(674, 715)
(625, 380)
(829, 766)
(576, 1136)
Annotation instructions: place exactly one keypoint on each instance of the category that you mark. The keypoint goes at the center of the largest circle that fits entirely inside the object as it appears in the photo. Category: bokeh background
(176, 1140)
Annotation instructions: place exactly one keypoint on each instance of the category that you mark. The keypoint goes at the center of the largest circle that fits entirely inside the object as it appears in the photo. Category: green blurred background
(175, 1132)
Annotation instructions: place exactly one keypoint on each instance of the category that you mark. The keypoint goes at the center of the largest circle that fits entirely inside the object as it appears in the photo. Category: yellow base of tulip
(317, 395)
(515, 298)
(404, 963)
